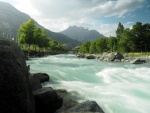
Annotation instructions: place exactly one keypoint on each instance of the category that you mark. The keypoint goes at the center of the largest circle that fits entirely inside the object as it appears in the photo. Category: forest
(135, 39)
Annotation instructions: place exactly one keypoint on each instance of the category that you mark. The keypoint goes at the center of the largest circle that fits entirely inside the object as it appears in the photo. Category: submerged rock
(137, 61)
(15, 91)
(88, 106)
(68, 101)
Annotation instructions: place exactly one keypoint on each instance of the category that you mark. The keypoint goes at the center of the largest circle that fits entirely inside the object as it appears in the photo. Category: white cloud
(116, 8)
(128, 23)
(57, 15)
(61, 14)
(108, 29)
(75, 9)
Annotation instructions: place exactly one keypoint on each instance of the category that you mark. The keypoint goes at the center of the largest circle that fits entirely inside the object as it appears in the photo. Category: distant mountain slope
(11, 19)
(81, 34)
(70, 43)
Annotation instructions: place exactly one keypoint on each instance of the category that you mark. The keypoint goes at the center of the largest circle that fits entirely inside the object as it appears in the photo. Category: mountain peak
(75, 27)
(82, 34)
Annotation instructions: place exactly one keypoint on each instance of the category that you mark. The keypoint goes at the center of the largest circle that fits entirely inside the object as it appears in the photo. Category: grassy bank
(140, 54)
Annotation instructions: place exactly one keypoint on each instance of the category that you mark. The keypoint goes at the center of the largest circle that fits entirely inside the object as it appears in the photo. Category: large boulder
(15, 91)
(103, 56)
(88, 106)
(119, 56)
(35, 83)
(46, 100)
(111, 56)
(43, 77)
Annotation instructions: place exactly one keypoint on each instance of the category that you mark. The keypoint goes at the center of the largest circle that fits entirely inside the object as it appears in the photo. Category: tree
(101, 45)
(36, 36)
(27, 30)
(53, 45)
(46, 42)
(84, 48)
(140, 37)
(126, 42)
(40, 38)
(112, 43)
(146, 30)
(119, 31)
(56, 47)
(21, 39)
(93, 47)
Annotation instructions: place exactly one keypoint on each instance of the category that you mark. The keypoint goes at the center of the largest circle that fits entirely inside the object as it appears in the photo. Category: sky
(100, 15)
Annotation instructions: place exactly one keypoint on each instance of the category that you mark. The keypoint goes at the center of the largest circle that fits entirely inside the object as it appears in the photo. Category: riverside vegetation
(134, 40)
(34, 40)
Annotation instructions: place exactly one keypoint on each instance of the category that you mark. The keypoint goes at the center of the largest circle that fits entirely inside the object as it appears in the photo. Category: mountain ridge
(82, 34)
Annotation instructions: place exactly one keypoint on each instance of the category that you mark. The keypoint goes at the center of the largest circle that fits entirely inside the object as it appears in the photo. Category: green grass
(139, 54)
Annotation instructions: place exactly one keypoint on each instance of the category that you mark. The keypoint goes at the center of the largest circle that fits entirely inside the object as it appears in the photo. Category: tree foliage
(112, 44)
(101, 45)
(92, 48)
(33, 35)
(119, 31)
(97, 46)
(84, 48)
(136, 39)
(27, 29)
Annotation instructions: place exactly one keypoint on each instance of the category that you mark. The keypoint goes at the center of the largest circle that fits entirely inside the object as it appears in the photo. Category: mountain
(11, 19)
(81, 34)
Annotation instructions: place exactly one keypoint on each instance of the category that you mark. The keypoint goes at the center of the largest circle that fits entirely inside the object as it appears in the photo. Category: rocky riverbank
(113, 57)
(22, 92)
(106, 56)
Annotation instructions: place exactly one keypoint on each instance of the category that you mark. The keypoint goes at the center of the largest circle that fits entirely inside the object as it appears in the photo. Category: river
(117, 87)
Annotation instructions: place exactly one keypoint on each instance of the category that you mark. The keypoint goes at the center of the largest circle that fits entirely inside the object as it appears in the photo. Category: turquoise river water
(117, 87)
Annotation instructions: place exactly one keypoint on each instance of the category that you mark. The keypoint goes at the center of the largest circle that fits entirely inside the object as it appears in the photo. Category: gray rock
(35, 83)
(119, 56)
(80, 55)
(68, 101)
(137, 61)
(88, 106)
(90, 56)
(113, 56)
(15, 91)
(46, 100)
